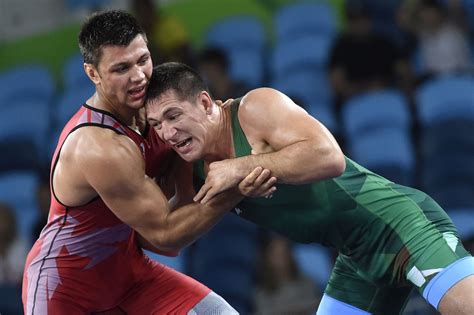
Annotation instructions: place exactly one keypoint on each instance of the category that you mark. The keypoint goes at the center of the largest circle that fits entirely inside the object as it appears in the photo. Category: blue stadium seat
(306, 85)
(226, 255)
(299, 19)
(309, 52)
(88, 4)
(388, 152)
(18, 189)
(243, 38)
(324, 113)
(28, 82)
(241, 30)
(26, 120)
(18, 154)
(69, 103)
(375, 110)
(444, 98)
(315, 261)
(463, 219)
(10, 301)
(73, 73)
(446, 115)
(378, 134)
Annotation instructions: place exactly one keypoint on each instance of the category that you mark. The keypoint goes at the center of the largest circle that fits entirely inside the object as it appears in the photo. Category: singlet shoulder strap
(241, 145)
(100, 118)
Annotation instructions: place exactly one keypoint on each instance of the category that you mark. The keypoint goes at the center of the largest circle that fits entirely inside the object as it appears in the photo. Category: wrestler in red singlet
(87, 259)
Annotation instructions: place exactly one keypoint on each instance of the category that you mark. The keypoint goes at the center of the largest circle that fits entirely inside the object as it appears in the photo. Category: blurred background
(393, 80)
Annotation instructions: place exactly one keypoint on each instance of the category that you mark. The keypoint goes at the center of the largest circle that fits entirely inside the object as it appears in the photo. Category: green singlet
(390, 238)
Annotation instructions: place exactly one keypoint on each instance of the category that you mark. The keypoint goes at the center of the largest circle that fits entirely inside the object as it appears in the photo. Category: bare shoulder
(266, 100)
(267, 105)
(96, 149)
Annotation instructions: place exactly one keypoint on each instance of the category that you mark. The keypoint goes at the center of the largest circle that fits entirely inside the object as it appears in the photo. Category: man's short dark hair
(113, 27)
(178, 77)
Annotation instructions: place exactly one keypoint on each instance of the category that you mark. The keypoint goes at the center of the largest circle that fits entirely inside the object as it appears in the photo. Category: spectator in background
(361, 61)
(13, 249)
(441, 35)
(213, 66)
(167, 37)
(282, 288)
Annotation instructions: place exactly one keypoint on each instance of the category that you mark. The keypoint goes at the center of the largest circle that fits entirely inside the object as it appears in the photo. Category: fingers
(201, 193)
(268, 187)
(264, 175)
(209, 195)
(259, 183)
(269, 193)
(252, 177)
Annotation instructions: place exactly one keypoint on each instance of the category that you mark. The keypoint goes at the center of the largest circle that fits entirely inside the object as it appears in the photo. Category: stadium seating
(73, 74)
(243, 38)
(299, 19)
(310, 52)
(226, 255)
(26, 83)
(18, 189)
(378, 134)
(10, 301)
(446, 115)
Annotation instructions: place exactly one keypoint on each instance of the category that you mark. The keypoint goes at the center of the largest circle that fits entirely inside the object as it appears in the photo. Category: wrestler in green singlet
(380, 229)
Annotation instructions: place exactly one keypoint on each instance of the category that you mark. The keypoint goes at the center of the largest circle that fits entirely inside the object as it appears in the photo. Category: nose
(169, 132)
(138, 74)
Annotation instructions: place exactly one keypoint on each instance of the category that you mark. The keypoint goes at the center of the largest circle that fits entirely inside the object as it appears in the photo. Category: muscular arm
(114, 167)
(301, 149)
(284, 138)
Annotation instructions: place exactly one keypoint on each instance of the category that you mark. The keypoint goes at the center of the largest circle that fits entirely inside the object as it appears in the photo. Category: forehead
(112, 54)
(167, 100)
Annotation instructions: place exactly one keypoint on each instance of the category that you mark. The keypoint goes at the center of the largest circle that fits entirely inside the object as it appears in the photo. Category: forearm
(299, 163)
(183, 226)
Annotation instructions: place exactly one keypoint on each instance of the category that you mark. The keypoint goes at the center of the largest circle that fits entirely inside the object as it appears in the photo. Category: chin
(190, 157)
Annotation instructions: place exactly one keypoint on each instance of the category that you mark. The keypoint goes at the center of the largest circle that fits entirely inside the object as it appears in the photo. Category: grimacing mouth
(183, 143)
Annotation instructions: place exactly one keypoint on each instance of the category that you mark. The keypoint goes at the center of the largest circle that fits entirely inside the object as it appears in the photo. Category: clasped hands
(224, 175)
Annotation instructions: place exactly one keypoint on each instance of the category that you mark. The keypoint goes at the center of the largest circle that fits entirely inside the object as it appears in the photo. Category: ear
(92, 73)
(206, 101)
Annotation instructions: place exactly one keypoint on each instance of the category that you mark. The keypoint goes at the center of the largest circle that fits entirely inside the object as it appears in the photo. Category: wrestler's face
(123, 73)
(183, 124)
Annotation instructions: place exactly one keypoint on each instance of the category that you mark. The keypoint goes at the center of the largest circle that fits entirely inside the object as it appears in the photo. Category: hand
(225, 104)
(222, 175)
(259, 183)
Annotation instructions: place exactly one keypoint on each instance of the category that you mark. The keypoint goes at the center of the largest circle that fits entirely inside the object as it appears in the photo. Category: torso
(83, 248)
(351, 213)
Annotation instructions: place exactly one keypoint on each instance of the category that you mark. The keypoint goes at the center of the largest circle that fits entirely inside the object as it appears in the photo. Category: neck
(124, 114)
(222, 141)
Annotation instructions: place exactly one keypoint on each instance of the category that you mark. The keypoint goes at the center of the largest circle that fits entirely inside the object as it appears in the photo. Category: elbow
(338, 166)
(166, 244)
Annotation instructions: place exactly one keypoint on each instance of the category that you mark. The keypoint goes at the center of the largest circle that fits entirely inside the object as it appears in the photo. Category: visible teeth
(184, 143)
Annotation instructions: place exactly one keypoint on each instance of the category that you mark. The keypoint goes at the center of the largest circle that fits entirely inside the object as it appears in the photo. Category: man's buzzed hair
(107, 28)
(178, 77)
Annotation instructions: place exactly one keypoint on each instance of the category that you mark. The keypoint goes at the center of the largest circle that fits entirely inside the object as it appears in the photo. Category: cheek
(148, 69)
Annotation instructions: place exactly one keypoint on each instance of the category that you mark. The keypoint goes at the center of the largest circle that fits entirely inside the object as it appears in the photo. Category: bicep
(117, 175)
(285, 123)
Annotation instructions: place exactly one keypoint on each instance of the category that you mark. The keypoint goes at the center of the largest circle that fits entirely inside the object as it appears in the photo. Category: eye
(144, 60)
(173, 117)
(121, 69)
